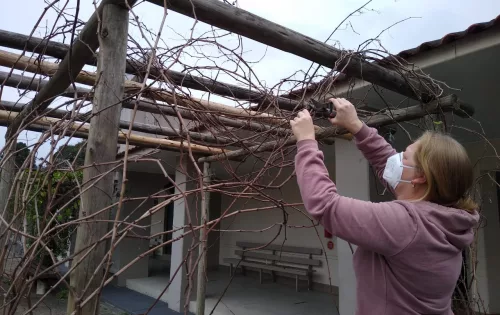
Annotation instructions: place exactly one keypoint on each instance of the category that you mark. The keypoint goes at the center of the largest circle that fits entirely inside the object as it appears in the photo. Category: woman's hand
(302, 126)
(346, 117)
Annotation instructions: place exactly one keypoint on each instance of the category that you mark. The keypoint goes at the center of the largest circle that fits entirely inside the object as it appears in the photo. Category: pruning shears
(324, 110)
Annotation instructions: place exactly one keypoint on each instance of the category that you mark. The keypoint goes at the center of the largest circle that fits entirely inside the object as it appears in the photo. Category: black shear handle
(326, 110)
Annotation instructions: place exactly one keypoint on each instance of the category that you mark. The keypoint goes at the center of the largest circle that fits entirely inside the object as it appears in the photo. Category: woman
(409, 252)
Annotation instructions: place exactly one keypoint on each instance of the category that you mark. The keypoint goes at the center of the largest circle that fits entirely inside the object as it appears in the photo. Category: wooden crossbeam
(244, 23)
(59, 50)
(23, 82)
(8, 59)
(45, 123)
(386, 117)
(139, 127)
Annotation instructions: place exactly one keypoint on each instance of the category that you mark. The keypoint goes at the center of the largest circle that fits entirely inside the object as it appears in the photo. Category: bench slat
(279, 247)
(280, 258)
(267, 267)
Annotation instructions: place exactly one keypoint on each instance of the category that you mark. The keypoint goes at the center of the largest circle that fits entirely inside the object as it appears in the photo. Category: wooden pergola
(111, 94)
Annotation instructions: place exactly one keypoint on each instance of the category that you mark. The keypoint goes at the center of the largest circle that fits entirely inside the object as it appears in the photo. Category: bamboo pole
(83, 129)
(15, 80)
(139, 127)
(58, 50)
(8, 59)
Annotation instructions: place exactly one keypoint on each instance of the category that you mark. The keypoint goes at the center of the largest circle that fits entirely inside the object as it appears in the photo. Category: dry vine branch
(198, 95)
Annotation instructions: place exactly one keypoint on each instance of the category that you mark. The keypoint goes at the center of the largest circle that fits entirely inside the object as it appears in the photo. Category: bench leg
(273, 275)
(309, 282)
(297, 283)
(243, 271)
(260, 276)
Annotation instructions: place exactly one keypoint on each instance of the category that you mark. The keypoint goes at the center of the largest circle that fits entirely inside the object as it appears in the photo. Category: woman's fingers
(335, 102)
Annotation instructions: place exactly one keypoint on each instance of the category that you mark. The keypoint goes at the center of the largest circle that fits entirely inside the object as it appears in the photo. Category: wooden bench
(276, 258)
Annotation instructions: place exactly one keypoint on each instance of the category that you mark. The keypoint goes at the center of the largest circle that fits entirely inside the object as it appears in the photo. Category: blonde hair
(448, 170)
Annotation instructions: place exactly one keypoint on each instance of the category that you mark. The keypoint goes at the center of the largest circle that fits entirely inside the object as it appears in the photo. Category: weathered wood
(101, 148)
(84, 45)
(59, 50)
(233, 19)
(386, 117)
(18, 81)
(83, 48)
(284, 248)
(279, 258)
(8, 59)
(140, 127)
(82, 131)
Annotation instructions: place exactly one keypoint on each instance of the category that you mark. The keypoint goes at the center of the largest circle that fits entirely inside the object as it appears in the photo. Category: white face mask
(394, 170)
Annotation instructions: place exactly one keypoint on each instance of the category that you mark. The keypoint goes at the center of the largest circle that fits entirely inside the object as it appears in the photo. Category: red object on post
(330, 245)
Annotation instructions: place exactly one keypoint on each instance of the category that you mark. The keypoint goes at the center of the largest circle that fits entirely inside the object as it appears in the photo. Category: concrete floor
(152, 286)
(246, 296)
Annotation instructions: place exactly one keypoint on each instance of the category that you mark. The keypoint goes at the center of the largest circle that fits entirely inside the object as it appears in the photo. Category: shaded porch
(246, 296)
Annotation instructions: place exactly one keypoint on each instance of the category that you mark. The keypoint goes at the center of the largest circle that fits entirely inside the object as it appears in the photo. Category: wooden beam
(386, 117)
(59, 50)
(82, 131)
(15, 80)
(8, 59)
(100, 150)
(139, 127)
(23, 82)
(83, 48)
(244, 23)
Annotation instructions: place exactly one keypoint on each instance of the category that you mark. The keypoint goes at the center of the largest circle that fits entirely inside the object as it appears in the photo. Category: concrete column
(138, 185)
(487, 286)
(353, 180)
(176, 293)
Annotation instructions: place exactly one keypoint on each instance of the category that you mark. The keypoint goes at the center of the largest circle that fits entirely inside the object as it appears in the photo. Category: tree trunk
(101, 148)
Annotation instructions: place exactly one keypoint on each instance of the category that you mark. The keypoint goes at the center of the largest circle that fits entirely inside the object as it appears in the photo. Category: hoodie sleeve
(375, 149)
(385, 228)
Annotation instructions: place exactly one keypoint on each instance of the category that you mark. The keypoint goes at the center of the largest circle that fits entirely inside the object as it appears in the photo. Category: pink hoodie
(409, 254)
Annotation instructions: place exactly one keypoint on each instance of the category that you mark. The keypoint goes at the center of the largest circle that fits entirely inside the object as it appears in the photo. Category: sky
(424, 20)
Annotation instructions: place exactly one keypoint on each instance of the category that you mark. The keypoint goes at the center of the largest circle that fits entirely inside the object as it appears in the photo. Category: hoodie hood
(456, 224)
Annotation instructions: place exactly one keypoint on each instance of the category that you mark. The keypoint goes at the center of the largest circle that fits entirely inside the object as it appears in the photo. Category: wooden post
(101, 148)
(83, 47)
(202, 266)
(7, 176)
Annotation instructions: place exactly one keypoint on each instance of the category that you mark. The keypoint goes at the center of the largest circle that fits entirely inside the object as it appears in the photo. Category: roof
(405, 54)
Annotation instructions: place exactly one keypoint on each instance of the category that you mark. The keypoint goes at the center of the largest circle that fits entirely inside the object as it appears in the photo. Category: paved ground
(54, 306)
(135, 303)
(246, 296)
(114, 301)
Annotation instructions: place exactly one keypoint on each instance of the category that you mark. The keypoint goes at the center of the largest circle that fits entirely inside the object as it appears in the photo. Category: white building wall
(306, 237)
(487, 285)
